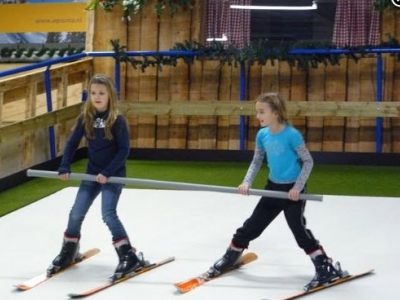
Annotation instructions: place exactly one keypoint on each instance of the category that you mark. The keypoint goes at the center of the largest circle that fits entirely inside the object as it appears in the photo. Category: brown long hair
(276, 103)
(89, 110)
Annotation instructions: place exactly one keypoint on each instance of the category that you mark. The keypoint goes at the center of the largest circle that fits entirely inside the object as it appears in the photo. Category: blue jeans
(87, 192)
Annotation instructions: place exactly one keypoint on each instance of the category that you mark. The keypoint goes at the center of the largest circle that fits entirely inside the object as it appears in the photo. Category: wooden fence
(24, 116)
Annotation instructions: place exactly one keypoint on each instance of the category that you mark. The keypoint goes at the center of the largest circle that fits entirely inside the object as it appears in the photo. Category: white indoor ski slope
(196, 228)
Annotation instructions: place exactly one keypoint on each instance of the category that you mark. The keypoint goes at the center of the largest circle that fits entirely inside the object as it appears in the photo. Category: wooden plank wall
(197, 106)
(391, 26)
(207, 80)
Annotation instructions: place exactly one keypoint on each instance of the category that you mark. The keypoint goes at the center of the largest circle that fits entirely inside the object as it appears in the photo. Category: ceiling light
(224, 38)
(264, 7)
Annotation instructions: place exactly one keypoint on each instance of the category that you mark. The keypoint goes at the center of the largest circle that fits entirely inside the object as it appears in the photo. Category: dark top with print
(107, 157)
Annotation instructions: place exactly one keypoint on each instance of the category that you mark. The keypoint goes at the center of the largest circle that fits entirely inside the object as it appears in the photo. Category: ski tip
(188, 285)
(183, 290)
(248, 257)
(252, 254)
(73, 296)
(370, 271)
(178, 288)
(21, 287)
(166, 260)
(91, 251)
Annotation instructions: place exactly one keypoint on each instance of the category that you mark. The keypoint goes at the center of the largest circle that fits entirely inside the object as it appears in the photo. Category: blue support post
(47, 82)
(84, 95)
(117, 71)
(242, 124)
(379, 98)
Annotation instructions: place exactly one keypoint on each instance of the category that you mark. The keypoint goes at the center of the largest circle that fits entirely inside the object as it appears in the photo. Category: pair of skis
(35, 281)
(327, 285)
(111, 283)
(192, 283)
(184, 286)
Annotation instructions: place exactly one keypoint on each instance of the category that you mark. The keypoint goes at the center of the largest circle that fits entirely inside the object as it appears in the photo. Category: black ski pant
(267, 210)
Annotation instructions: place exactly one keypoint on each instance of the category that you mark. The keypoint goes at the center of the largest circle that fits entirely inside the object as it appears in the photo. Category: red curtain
(221, 20)
(356, 24)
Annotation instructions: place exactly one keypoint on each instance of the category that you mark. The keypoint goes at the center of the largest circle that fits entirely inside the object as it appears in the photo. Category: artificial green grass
(379, 181)
(324, 179)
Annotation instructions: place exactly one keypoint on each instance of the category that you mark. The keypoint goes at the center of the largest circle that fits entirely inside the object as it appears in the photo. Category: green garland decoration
(381, 5)
(21, 54)
(132, 7)
(258, 52)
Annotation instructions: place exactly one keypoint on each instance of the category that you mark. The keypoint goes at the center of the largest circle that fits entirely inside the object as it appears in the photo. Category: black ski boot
(68, 255)
(128, 261)
(325, 272)
(227, 262)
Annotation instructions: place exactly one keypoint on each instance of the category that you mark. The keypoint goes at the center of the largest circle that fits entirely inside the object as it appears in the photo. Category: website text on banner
(43, 17)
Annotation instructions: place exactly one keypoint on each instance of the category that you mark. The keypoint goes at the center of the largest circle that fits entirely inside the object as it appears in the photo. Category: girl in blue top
(106, 132)
(290, 164)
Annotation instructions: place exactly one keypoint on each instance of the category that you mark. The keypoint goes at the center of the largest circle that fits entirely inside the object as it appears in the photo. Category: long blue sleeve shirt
(107, 157)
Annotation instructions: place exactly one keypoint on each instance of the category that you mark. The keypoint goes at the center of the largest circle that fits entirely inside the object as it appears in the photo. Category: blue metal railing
(242, 84)
(242, 124)
(379, 98)
(49, 102)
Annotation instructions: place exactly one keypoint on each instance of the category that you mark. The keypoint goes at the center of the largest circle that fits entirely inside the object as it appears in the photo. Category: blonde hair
(89, 111)
(276, 104)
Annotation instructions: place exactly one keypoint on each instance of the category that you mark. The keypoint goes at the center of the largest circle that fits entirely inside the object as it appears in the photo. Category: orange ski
(190, 284)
